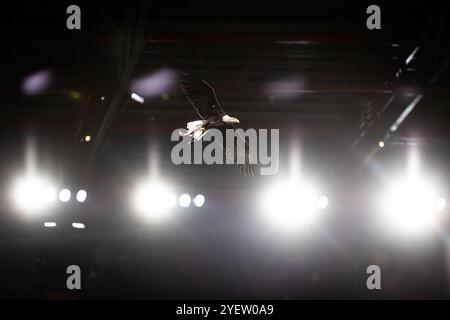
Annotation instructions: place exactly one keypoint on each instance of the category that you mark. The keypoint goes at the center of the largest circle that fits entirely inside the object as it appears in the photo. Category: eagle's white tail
(195, 129)
(195, 124)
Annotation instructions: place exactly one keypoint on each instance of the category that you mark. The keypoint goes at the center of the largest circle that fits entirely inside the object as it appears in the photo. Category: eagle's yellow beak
(235, 120)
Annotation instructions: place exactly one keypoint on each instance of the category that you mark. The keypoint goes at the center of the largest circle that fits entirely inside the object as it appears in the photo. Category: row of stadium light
(33, 193)
(409, 205)
(412, 203)
(155, 200)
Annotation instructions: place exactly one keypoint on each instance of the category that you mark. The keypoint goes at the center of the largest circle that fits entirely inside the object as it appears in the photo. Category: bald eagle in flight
(203, 99)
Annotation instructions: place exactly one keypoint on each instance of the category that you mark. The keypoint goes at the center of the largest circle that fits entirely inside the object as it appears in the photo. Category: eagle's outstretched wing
(201, 95)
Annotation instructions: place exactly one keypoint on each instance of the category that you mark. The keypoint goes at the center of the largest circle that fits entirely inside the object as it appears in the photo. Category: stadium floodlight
(322, 202)
(199, 200)
(440, 204)
(292, 205)
(33, 194)
(153, 200)
(411, 205)
(65, 195)
(81, 196)
(184, 200)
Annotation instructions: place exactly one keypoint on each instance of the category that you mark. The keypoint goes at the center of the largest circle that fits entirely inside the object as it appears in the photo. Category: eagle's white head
(229, 120)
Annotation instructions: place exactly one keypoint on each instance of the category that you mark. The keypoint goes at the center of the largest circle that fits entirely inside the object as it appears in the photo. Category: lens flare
(292, 205)
(33, 194)
(153, 201)
(411, 206)
(199, 200)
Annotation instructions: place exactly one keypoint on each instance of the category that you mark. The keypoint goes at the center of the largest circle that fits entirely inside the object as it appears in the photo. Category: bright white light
(78, 225)
(291, 205)
(87, 138)
(411, 206)
(49, 194)
(381, 144)
(65, 195)
(199, 200)
(50, 224)
(322, 203)
(184, 200)
(81, 196)
(171, 200)
(440, 204)
(137, 98)
(154, 200)
(32, 194)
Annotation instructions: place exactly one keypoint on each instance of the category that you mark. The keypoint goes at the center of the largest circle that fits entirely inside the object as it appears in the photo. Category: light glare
(65, 195)
(81, 196)
(154, 83)
(199, 200)
(32, 194)
(411, 206)
(50, 224)
(184, 200)
(37, 82)
(440, 204)
(322, 203)
(291, 205)
(137, 98)
(154, 200)
(78, 225)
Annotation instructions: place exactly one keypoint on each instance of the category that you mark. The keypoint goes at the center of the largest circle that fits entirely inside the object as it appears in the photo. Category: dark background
(337, 112)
